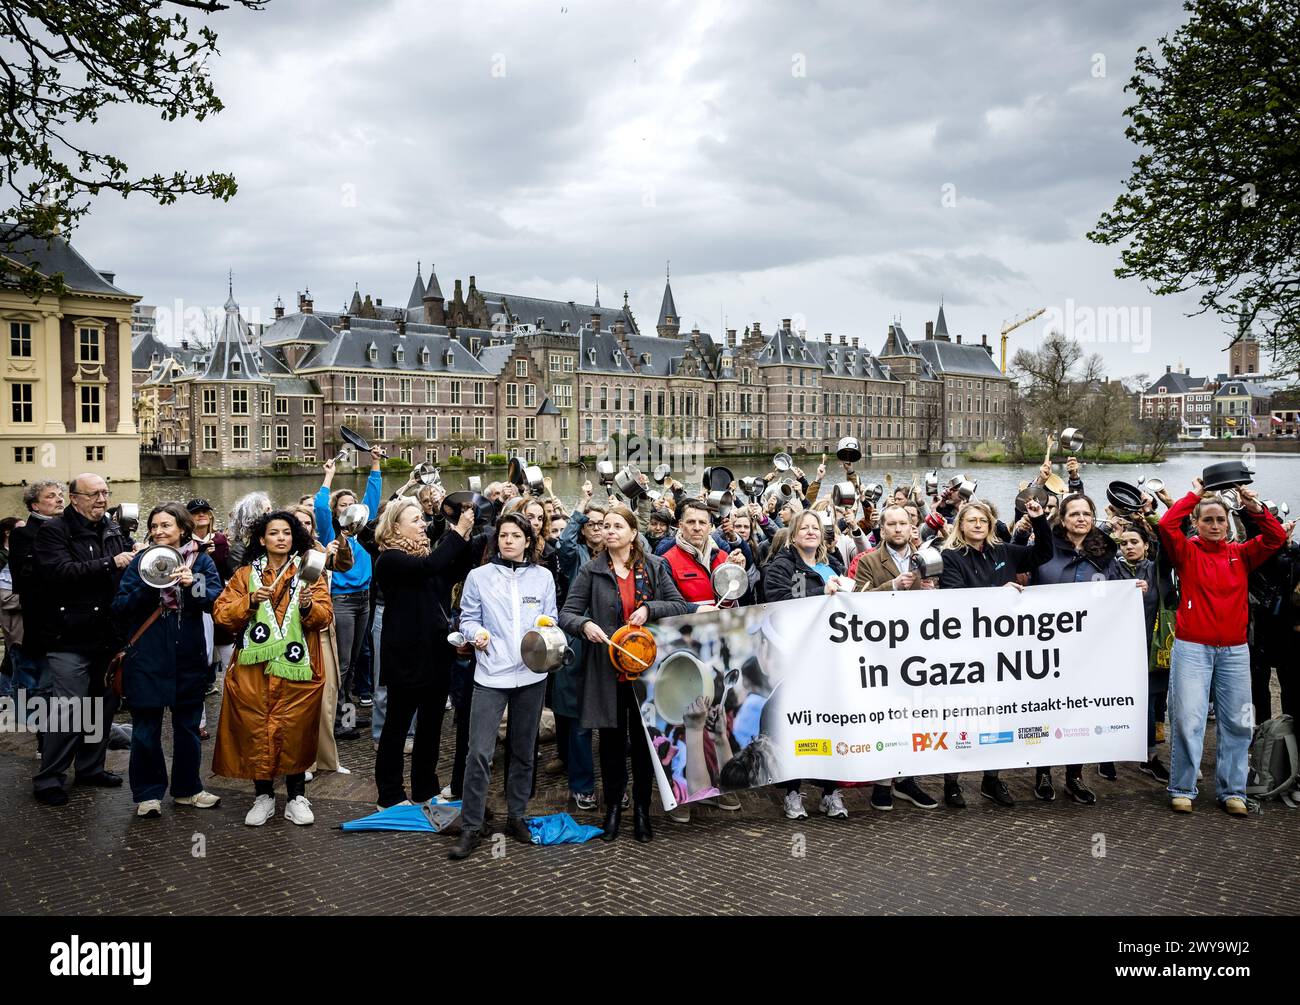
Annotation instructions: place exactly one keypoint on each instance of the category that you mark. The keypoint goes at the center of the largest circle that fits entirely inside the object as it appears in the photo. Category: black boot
(469, 839)
(612, 817)
(641, 829)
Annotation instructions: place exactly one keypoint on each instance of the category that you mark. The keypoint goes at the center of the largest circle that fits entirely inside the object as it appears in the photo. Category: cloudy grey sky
(841, 163)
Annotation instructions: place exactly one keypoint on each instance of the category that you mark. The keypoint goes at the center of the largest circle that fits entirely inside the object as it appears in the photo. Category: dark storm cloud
(843, 161)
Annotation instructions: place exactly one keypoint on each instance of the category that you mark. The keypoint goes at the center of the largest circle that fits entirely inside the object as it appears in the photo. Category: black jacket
(787, 566)
(22, 555)
(996, 564)
(1089, 562)
(413, 647)
(76, 582)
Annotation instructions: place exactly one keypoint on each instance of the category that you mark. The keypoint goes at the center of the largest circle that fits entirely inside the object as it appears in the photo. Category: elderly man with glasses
(78, 559)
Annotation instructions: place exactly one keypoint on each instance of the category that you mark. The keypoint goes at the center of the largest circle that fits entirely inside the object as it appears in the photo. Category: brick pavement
(94, 857)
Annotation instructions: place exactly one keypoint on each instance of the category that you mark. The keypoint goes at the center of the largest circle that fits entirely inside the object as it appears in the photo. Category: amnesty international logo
(812, 748)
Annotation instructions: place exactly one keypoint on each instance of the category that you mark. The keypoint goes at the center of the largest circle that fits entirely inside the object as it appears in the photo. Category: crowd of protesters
(424, 599)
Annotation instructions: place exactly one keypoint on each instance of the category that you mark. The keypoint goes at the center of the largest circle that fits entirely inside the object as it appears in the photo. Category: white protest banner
(862, 686)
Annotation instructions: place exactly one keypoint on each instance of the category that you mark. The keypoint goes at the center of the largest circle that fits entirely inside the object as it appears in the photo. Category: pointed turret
(434, 314)
(416, 300)
(669, 321)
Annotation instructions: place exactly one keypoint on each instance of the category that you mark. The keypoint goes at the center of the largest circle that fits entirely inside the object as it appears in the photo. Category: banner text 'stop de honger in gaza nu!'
(863, 686)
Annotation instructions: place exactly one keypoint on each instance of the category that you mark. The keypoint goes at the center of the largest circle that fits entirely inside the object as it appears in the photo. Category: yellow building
(66, 366)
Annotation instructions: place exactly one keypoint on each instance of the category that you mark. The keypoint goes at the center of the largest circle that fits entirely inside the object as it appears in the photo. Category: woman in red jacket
(1210, 653)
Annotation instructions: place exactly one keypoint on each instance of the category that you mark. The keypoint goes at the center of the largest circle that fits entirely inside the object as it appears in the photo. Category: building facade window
(209, 437)
(512, 395)
(377, 388)
(20, 395)
(239, 436)
(377, 425)
(266, 437)
(281, 437)
(349, 388)
(512, 427)
(239, 401)
(455, 392)
(309, 436)
(88, 341)
(90, 404)
(530, 428)
(20, 339)
(404, 390)
(479, 393)
(308, 406)
(530, 395)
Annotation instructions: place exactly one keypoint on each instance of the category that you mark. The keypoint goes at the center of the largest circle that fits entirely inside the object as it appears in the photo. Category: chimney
(731, 338)
(619, 327)
(401, 327)
(844, 340)
(829, 338)
(304, 303)
(959, 340)
(758, 330)
(855, 341)
(1168, 368)
(929, 331)
(379, 302)
(595, 319)
(1187, 372)
(785, 324)
(345, 323)
(185, 343)
(279, 307)
(471, 282)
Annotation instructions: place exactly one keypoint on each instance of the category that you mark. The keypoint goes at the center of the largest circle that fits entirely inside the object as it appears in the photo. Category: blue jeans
(1199, 673)
(578, 759)
(379, 710)
(148, 769)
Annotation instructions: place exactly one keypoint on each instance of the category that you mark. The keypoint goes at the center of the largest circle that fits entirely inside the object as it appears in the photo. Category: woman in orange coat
(271, 707)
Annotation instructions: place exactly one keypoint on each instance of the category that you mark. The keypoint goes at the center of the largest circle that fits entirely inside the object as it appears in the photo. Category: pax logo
(929, 741)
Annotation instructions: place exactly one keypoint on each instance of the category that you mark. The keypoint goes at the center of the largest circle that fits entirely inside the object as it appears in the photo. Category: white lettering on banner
(860, 686)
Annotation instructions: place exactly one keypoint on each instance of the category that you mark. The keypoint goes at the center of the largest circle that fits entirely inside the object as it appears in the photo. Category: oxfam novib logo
(880, 745)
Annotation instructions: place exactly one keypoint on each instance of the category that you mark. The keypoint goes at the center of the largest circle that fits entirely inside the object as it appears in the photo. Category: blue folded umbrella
(433, 816)
(560, 828)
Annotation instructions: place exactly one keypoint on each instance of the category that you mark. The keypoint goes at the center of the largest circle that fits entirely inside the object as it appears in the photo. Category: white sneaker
(445, 793)
(151, 808)
(298, 811)
(309, 776)
(340, 770)
(794, 806)
(408, 746)
(200, 800)
(833, 806)
(404, 802)
(262, 811)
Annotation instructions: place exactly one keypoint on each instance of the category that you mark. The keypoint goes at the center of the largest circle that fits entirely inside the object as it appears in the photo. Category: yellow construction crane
(1011, 326)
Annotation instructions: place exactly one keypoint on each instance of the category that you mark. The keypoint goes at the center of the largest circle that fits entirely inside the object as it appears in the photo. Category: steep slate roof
(416, 299)
(297, 328)
(547, 408)
(278, 372)
(847, 361)
(232, 346)
(1238, 388)
(433, 289)
(600, 352)
(940, 324)
(1176, 383)
(897, 343)
(54, 256)
(526, 311)
(951, 357)
(494, 357)
(786, 348)
(668, 309)
(350, 350)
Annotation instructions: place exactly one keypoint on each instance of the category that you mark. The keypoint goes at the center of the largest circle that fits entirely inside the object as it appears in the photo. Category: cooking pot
(353, 518)
(849, 450)
(682, 679)
(632, 651)
(844, 494)
(160, 566)
(1126, 498)
(1225, 475)
(626, 482)
(928, 563)
(782, 462)
(662, 473)
(545, 649)
(1072, 439)
(729, 582)
(718, 479)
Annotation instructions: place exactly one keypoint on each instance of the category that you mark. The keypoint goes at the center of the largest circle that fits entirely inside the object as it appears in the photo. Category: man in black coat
(79, 558)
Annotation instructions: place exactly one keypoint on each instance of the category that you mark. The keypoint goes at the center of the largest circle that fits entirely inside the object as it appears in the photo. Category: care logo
(843, 748)
(812, 748)
(929, 741)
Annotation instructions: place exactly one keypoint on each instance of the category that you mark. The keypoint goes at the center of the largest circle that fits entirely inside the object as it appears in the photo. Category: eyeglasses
(101, 494)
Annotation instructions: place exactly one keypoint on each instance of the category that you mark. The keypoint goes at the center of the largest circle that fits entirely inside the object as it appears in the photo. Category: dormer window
(424, 354)
(399, 354)
(372, 352)
(449, 357)
(591, 355)
(234, 365)
(645, 357)
(618, 358)
(154, 358)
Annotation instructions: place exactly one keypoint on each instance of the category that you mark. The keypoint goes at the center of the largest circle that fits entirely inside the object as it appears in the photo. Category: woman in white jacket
(502, 600)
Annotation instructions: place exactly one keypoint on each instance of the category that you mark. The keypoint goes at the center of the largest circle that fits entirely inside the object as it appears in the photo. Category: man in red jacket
(1210, 654)
(695, 554)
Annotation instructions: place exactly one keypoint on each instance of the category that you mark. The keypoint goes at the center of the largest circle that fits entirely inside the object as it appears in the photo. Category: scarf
(280, 645)
(171, 597)
(705, 559)
(419, 548)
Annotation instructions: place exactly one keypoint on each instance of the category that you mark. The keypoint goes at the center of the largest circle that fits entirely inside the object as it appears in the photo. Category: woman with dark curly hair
(271, 706)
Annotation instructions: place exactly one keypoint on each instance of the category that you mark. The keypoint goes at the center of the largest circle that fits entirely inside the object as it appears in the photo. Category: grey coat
(593, 596)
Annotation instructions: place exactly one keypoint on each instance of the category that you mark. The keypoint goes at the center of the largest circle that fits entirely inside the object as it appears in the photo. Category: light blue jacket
(356, 578)
(507, 602)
